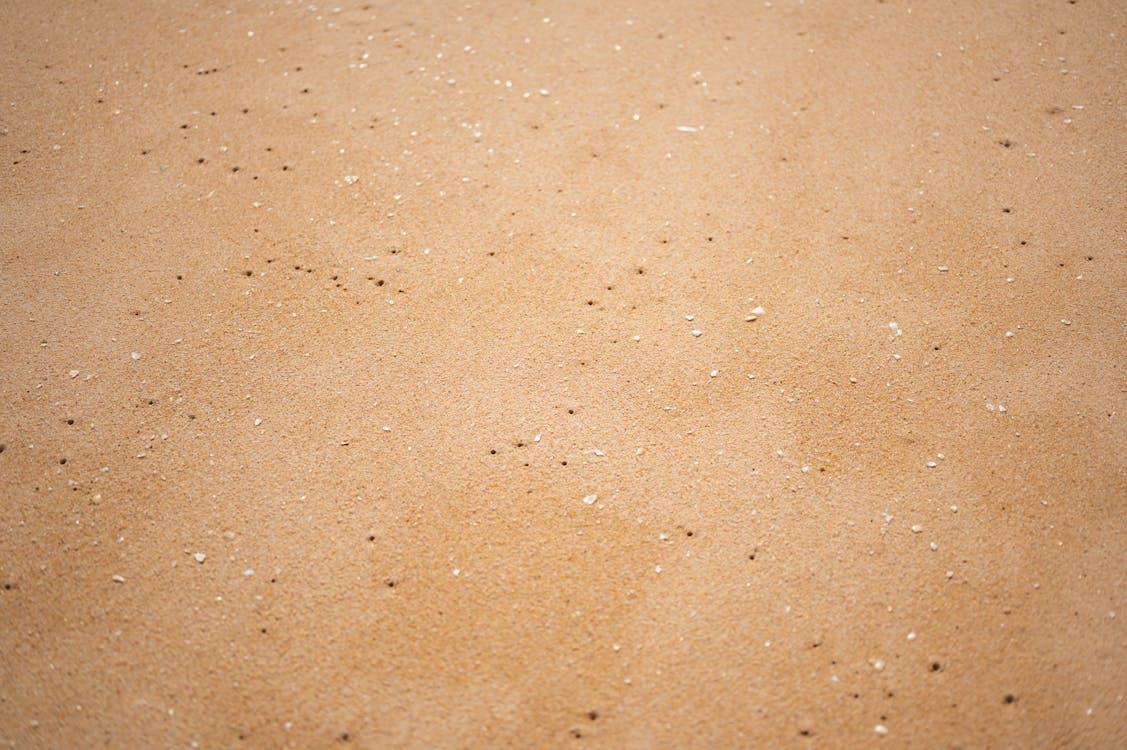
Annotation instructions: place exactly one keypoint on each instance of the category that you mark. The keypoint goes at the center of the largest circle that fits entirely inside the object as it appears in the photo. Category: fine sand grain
(563, 374)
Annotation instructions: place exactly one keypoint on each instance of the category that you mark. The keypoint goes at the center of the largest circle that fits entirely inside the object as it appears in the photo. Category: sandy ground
(554, 374)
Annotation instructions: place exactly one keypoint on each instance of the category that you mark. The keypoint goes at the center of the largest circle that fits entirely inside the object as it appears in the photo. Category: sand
(554, 374)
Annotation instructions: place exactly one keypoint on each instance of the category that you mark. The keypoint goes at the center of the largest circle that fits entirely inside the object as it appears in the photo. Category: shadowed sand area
(562, 374)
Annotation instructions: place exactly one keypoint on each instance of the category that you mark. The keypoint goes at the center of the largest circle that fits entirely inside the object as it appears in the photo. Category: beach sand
(555, 374)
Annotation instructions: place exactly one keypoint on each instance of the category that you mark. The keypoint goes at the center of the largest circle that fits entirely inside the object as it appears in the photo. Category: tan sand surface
(563, 374)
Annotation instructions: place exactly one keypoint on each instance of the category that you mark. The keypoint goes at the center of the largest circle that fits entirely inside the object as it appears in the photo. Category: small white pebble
(200, 557)
(911, 636)
(135, 355)
(934, 547)
(657, 568)
(881, 729)
(943, 269)
(916, 528)
(931, 464)
(696, 332)
(457, 571)
(758, 311)
(690, 317)
(73, 373)
(1009, 334)
(950, 574)
(248, 572)
(714, 373)
(637, 338)
(118, 579)
(257, 422)
(590, 499)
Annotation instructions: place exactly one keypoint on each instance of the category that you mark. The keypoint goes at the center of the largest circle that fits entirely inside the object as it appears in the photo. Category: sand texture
(563, 374)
